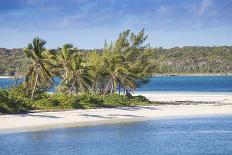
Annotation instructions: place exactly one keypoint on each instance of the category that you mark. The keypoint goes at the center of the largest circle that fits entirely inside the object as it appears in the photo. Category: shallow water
(205, 135)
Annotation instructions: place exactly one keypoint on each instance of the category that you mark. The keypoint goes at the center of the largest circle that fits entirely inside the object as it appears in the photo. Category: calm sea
(211, 135)
(173, 83)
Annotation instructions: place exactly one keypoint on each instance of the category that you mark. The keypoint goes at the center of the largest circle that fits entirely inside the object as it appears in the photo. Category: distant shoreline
(195, 74)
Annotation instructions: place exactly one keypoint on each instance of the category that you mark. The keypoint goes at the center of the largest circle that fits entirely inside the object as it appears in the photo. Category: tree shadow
(137, 108)
(39, 115)
(97, 116)
(111, 116)
(134, 116)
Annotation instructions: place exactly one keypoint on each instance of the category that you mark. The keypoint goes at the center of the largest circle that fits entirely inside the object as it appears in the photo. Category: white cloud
(163, 9)
(204, 6)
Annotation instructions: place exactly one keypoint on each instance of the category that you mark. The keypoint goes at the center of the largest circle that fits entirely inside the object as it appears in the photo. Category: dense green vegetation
(98, 78)
(179, 60)
(195, 59)
(10, 103)
(88, 80)
(16, 102)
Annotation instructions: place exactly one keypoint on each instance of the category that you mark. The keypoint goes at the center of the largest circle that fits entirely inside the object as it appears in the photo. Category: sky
(87, 23)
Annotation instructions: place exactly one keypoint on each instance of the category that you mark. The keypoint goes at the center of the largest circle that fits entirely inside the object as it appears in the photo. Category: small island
(61, 82)
(115, 77)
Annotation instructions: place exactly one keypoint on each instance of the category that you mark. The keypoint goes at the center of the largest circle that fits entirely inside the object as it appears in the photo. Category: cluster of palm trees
(118, 68)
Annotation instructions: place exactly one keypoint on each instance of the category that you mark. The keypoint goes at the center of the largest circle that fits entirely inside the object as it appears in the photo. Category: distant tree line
(195, 59)
(178, 60)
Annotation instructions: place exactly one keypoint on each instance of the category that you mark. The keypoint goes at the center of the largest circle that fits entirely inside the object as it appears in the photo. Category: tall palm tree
(119, 75)
(38, 73)
(79, 77)
(62, 59)
(127, 61)
(98, 71)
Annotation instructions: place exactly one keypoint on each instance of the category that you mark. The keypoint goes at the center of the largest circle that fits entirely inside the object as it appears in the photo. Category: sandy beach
(75, 118)
(188, 97)
(6, 77)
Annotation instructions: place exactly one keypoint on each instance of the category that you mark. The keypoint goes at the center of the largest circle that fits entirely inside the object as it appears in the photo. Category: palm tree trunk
(33, 91)
(119, 89)
(112, 87)
(115, 86)
(107, 86)
(15, 83)
(66, 76)
(95, 84)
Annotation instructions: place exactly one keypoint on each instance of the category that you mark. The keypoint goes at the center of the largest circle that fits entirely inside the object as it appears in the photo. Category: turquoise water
(8, 82)
(189, 84)
(173, 83)
(211, 135)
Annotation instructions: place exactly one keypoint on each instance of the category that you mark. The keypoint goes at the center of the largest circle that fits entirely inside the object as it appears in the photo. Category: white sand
(38, 121)
(6, 77)
(218, 98)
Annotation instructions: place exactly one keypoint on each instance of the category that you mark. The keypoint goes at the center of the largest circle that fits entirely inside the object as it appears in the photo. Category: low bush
(15, 101)
(87, 101)
(10, 103)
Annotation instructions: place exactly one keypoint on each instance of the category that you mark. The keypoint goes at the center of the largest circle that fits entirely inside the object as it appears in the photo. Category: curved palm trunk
(115, 86)
(119, 89)
(107, 86)
(33, 91)
(95, 84)
(15, 83)
(66, 75)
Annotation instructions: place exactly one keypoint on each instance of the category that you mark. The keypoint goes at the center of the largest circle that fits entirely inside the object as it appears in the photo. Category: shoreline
(194, 74)
(6, 77)
(77, 118)
(188, 97)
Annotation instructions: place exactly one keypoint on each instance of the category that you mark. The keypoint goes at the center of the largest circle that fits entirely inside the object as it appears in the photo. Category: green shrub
(115, 100)
(15, 101)
(87, 101)
(9, 103)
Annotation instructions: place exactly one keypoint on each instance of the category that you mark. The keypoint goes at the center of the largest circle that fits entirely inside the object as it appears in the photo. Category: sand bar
(185, 97)
(42, 120)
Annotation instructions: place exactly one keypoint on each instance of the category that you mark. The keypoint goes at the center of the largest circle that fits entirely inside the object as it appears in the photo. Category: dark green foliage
(195, 59)
(16, 101)
(13, 62)
(11, 103)
(87, 101)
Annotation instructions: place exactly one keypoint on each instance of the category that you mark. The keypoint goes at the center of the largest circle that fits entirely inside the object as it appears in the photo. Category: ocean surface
(203, 135)
(189, 84)
(172, 84)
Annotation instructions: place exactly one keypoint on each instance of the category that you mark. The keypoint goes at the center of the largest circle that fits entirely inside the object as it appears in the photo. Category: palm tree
(98, 71)
(120, 78)
(127, 61)
(79, 78)
(38, 73)
(62, 59)
(119, 75)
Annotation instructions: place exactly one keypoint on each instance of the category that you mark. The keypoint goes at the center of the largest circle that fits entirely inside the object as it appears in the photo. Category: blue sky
(87, 23)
